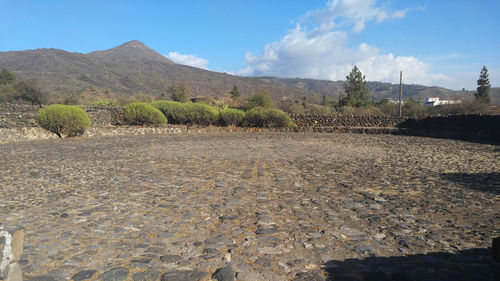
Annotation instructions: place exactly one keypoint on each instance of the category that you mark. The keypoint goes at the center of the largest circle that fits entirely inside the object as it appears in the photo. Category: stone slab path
(253, 206)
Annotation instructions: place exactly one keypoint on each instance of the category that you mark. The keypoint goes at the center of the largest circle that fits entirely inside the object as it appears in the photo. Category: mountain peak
(133, 50)
(133, 44)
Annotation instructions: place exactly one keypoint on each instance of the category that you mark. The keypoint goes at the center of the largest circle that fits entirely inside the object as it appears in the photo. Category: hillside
(135, 68)
(129, 68)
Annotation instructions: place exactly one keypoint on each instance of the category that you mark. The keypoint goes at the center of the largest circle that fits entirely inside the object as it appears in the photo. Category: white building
(434, 101)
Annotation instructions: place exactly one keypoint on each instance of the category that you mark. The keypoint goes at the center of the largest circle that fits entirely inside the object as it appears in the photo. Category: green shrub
(318, 110)
(232, 117)
(414, 109)
(101, 103)
(260, 99)
(201, 114)
(64, 120)
(176, 112)
(267, 117)
(140, 113)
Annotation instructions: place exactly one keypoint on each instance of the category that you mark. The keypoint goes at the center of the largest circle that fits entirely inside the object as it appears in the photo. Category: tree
(325, 101)
(7, 77)
(261, 99)
(483, 91)
(235, 93)
(180, 92)
(30, 91)
(355, 89)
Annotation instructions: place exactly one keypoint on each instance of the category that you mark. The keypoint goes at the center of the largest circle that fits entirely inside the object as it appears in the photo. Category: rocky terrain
(253, 206)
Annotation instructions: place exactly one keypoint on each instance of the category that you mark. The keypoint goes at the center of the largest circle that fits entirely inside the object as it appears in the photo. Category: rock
(266, 230)
(224, 274)
(42, 278)
(84, 275)
(228, 217)
(495, 249)
(362, 249)
(248, 276)
(140, 262)
(115, 274)
(185, 275)
(309, 276)
(170, 258)
(15, 273)
(148, 275)
(350, 231)
(264, 262)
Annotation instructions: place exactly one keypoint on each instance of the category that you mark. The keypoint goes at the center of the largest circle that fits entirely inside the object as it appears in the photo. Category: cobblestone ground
(253, 206)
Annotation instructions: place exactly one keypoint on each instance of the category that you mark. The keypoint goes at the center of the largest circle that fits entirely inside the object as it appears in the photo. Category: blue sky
(443, 43)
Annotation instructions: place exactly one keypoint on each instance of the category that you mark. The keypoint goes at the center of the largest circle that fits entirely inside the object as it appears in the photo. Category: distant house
(434, 101)
(393, 101)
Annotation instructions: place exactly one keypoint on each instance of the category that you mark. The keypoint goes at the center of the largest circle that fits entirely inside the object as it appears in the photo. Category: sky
(435, 43)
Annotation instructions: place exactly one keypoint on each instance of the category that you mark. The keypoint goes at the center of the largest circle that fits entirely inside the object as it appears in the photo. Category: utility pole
(400, 94)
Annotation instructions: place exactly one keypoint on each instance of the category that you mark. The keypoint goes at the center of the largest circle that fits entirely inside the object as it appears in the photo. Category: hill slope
(135, 68)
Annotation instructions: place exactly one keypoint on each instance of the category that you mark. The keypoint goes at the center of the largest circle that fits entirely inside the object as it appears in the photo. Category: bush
(232, 117)
(64, 120)
(267, 117)
(414, 109)
(318, 110)
(180, 92)
(104, 102)
(175, 112)
(201, 114)
(261, 99)
(140, 113)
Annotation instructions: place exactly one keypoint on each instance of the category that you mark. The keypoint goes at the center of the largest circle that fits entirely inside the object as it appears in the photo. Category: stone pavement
(253, 206)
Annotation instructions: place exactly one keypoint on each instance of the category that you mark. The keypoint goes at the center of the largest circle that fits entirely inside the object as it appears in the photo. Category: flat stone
(350, 231)
(42, 278)
(185, 275)
(224, 274)
(266, 230)
(309, 276)
(148, 275)
(170, 258)
(84, 275)
(115, 274)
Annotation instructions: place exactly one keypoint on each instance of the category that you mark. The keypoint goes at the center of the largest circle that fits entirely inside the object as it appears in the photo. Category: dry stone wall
(22, 115)
(312, 120)
(18, 122)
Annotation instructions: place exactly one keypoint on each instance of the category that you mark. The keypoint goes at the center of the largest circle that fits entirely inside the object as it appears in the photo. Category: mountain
(129, 68)
(134, 68)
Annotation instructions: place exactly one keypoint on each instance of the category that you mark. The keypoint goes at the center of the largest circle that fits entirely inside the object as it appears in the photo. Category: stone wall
(22, 115)
(18, 122)
(465, 127)
(334, 121)
(17, 115)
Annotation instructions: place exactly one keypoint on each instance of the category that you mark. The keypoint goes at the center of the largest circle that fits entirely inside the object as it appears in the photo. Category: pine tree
(235, 93)
(483, 91)
(355, 89)
(7, 77)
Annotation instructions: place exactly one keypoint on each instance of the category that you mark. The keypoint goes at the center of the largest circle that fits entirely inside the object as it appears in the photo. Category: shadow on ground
(473, 264)
(485, 182)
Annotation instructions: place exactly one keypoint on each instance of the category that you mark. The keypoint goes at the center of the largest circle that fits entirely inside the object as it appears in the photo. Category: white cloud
(322, 51)
(352, 12)
(191, 60)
